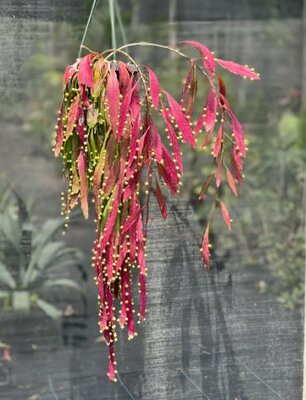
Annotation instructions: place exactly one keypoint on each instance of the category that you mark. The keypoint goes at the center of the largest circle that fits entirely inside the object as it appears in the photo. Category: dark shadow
(210, 303)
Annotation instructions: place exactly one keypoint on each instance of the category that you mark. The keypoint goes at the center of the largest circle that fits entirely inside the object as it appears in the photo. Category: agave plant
(119, 135)
(30, 259)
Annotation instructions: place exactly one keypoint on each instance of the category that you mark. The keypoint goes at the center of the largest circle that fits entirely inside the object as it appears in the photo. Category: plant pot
(30, 331)
(21, 301)
(36, 344)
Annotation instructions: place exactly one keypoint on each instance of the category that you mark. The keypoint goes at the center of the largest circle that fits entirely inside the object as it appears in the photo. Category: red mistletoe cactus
(109, 138)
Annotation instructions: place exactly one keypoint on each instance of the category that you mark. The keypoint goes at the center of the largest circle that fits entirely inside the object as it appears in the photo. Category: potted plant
(5, 365)
(30, 264)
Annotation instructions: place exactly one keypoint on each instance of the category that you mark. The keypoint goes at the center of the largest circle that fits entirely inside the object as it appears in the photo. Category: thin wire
(194, 385)
(126, 389)
(262, 381)
(304, 348)
(119, 19)
(87, 26)
(113, 29)
(52, 389)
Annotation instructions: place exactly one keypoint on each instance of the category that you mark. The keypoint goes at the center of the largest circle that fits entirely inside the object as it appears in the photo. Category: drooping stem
(112, 53)
(176, 51)
(212, 210)
(87, 48)
(161, 46)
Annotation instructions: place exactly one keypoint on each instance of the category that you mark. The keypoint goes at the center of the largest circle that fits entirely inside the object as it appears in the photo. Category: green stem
(212, 210)
(106, 138)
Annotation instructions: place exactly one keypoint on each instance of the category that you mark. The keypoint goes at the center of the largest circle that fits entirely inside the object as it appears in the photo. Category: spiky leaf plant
(111, 146)
(30, 259)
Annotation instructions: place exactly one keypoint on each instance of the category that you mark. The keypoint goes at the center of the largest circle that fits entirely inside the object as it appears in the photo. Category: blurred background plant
(33, 262)
(269, 224)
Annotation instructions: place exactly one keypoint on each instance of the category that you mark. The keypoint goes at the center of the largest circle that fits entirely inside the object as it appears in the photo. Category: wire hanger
(114, 14)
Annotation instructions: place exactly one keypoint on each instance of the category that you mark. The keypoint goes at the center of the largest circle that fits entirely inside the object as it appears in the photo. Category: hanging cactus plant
(111, 146)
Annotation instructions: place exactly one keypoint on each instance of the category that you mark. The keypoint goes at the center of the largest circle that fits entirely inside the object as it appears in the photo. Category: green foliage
(269, 221)
(43, 92)
(32, 260)
(268, 227)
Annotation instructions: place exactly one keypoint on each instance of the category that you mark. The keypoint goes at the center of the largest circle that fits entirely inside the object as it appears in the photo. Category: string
(114, 13)
(113, 29)
(87, 26)
(121, 27)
